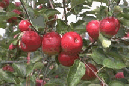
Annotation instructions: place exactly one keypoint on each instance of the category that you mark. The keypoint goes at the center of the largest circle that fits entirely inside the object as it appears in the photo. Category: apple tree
(41, 49)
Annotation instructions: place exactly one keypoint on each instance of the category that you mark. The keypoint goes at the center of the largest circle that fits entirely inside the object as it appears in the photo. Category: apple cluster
(109, 26)
(67, 47)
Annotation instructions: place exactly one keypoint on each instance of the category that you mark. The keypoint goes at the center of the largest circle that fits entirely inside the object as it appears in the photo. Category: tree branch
(10, 62)
(65, 11)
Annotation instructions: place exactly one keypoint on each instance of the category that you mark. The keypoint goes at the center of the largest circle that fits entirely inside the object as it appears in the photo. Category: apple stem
(103, 82)
(28, 58)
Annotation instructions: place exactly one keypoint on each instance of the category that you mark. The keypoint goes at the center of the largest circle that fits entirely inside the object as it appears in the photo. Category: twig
(45, 73)
(65, 11)
(10, 62)
(90, 45)
(28, 15)
(103, 82)
(28, 58)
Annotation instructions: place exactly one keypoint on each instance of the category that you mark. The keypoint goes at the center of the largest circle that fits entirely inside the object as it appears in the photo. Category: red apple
(17, 11)
(51, 43)
(12, 20)
(119, 75)
(17, 4)
(30, 41)
(4, 3)
(67, 59)
(109, 26)
(93, 29)
(71, 43)
(11, 46)
(8, 68)
(89, 75)
(24, 25)
(40, 82)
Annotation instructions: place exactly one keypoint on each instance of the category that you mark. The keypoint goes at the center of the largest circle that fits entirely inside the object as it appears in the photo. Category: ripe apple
(119, 75)
(40, 82)
(8, 68)
(17, 4)
(11, 46)
(109, 26)
(51, 43)
(71, 42)
(93, 29)
(4, 3)
(17, 11)
(12, 20)
(67, 59)
(30, 41)
(89, 75)
(24, 25)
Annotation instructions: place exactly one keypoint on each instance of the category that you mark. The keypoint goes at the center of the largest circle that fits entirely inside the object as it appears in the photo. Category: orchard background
(26, 67)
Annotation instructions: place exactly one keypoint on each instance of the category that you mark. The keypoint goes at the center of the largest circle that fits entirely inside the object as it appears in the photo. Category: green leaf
(61, 26)
(20, 69)
(104, 76)
(3, 25)
(51, 12)
(51, 84)
(76, 2)
(6, 77)
(98, 55)
(76, 73)
(105, 42)
(115, 64)
(33, 60)
(124, 22)
(116, 83)
(38, 65)
(29, 69)
(15, 42)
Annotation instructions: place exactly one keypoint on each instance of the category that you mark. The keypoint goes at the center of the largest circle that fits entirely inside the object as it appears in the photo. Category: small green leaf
(51, 12)
(38, 65)
(105, 42)
(76, 72)
(76, 2)
(116, 83)
(61, 26)
(6, 77)
(98, 55)
(115, 64)
(35, 59)
(20, 69)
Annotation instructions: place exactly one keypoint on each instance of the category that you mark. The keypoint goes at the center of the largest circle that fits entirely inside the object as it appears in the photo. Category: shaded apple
(51, 43)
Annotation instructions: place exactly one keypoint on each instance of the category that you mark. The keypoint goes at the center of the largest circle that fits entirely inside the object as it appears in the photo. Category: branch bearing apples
(89, 75)
(109, 26)
(71, 42)
(24, 25)
(30, 41)
(67, 59)
(93, 29)
(51, 43)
